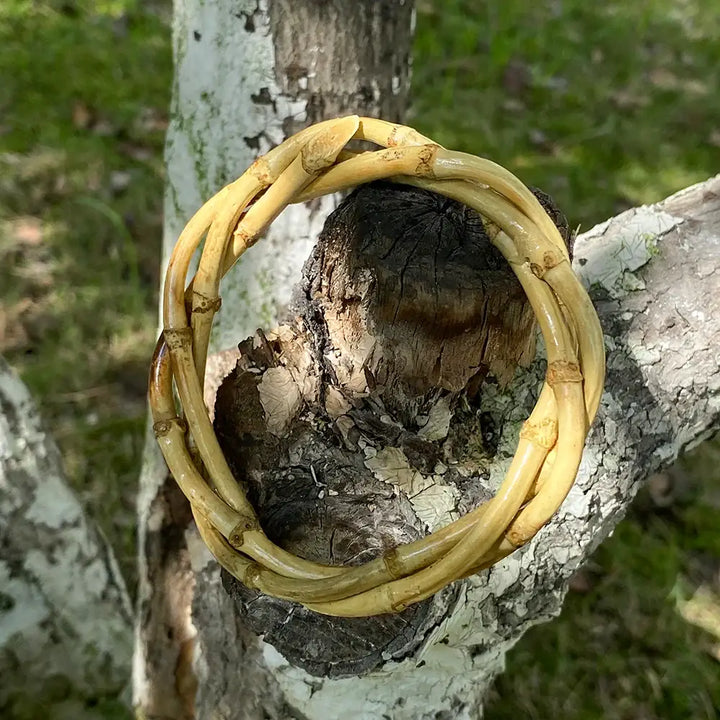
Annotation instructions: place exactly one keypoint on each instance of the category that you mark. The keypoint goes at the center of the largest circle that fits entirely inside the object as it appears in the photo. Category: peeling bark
(65, 619)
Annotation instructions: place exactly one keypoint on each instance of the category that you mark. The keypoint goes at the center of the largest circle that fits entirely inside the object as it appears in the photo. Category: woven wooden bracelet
(314, 162)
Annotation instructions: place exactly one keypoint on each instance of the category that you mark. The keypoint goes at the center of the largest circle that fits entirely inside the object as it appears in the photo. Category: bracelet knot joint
(563, 371)
(161, 428)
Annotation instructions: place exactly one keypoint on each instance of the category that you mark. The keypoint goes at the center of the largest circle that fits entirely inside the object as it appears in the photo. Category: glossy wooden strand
(312, 163)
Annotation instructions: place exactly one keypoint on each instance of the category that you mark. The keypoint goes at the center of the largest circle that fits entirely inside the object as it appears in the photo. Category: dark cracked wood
(340, 420)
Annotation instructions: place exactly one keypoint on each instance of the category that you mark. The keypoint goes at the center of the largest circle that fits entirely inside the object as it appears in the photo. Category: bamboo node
(392, 563)
(245, 524)
(517, 538)
(492, 229)
(550, 260)
(251, 576)
(177, 338)
(426, 161)
(543, 433)
(242, 236)
(162, 427)
(393, 139)
(399, 606)
(206, 304)
(563, 371)
(260, 170)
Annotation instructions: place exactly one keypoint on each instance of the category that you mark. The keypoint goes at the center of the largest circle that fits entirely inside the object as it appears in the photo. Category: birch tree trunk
(65, 619)
(248, 73)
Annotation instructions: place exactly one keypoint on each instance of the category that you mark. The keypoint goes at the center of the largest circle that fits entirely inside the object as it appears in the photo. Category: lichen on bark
(65, 618)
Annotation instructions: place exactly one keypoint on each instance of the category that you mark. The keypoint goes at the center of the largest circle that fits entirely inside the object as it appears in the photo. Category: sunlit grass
(574, 95)
(627, 645)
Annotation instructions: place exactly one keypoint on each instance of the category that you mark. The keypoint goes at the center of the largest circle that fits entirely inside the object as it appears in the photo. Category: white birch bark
(248, 73)
(65, 619)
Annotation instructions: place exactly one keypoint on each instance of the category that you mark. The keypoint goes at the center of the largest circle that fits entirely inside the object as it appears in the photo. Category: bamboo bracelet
(315, 162)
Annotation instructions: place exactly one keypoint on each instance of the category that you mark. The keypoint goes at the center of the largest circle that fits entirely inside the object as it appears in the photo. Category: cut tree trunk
(347, 449)
(304, 416)
(248, 73)
(65, 618)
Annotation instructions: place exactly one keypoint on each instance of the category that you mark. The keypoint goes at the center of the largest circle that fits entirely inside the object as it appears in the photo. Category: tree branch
(653, 274)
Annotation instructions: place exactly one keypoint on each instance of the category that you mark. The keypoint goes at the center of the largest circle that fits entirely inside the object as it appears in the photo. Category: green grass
(622, 648)
(602, 105)
(83, 102)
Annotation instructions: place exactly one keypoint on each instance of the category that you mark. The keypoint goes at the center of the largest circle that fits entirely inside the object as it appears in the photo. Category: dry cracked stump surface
(356, 425)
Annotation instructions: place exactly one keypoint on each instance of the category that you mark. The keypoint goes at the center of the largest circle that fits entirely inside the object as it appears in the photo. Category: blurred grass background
(603, 105)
